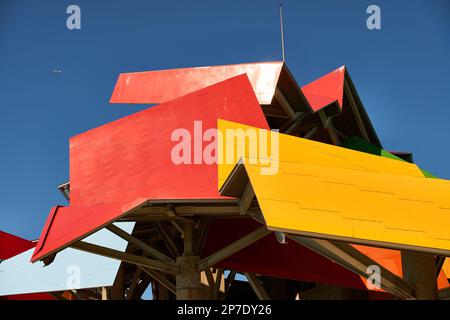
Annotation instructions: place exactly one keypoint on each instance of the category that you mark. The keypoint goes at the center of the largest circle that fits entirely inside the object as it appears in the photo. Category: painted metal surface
(290, 261)
(326, 90)
(120, 165)
(446, 267)
(19, 276)
(350, 196)
(303, 151)
(165, 85)
(10, 245)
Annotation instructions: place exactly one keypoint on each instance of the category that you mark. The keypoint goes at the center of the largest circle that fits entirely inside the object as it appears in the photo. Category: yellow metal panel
(295, 151)
(327, 191)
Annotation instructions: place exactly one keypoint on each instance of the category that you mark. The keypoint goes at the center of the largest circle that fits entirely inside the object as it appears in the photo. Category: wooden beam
(140, 244)
(233, 248)
(311, 132)
(229, 281)
(439, 264)
(352, 259)
(444, 294)
(187, 237)
(333, 135)
(217, 284)
(134, 283)
(117, 290)
(281, 98)
(270, 111)
(125, 257)
(297, 121)
(246, 199)
(183, 211)
(210, 279)
(200, 236)
(257, 286)
(161, 279)
(58, 295)
(167, 239)
(341, 134)
(355, 110)
(419, 270)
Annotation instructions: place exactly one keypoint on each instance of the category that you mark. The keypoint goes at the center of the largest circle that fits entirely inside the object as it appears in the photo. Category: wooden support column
(105, 294)
(188, 276)
(419, 270)
(117, 290)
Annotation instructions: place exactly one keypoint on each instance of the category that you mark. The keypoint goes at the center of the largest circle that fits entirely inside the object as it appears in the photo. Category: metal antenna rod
(282, 31)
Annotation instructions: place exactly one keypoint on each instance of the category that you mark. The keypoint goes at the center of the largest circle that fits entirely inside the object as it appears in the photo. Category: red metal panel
(123, 163)
(270, 258)
(131, 158)
(31, 296)
(292, 260)
(68, 224)
(165, 85)
(326, 90)
(11, 245)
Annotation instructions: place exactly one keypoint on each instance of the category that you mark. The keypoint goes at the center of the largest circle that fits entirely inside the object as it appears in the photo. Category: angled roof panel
(358, 198)
(10, 245)
(66, 225)
(165, 85)
(19, 276)
(296, 151)
(326, 90)
(120, 165)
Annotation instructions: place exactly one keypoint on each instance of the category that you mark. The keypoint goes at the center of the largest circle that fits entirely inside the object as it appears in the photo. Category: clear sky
(402, 73)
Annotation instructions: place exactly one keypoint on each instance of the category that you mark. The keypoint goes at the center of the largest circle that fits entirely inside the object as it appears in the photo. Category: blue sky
(401, 72)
